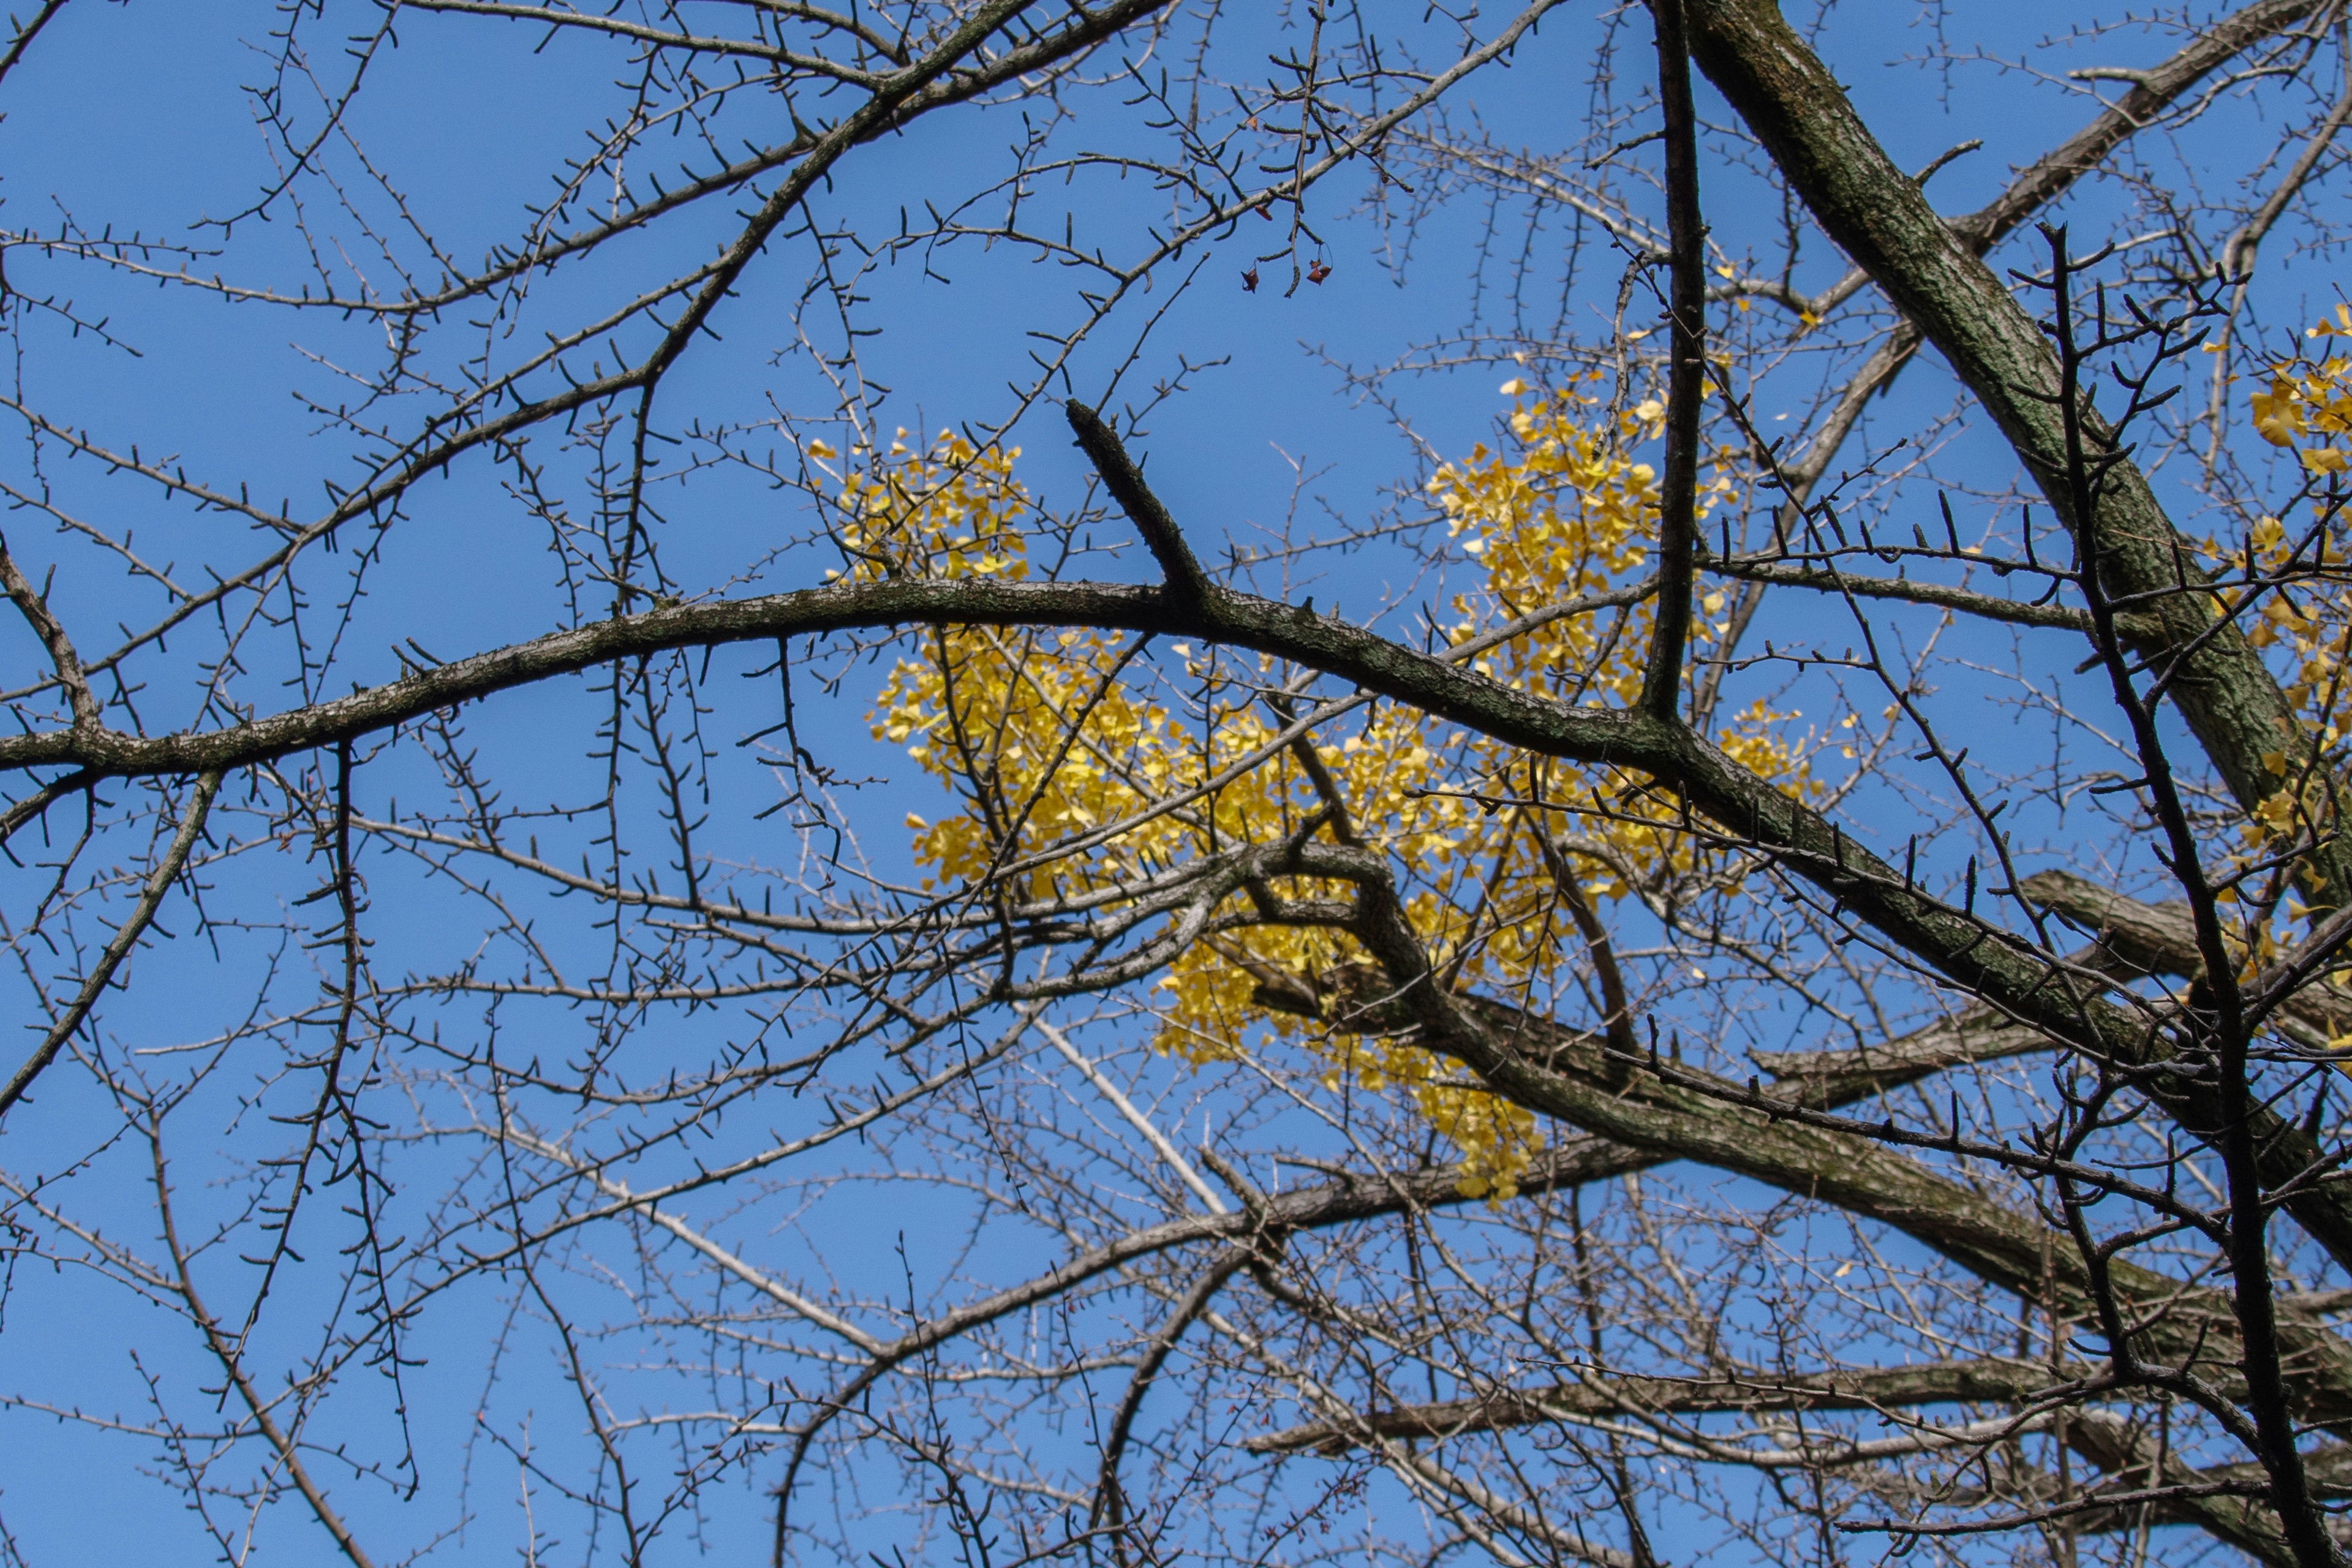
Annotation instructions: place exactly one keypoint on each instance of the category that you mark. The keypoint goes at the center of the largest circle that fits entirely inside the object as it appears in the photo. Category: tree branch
(1998, 967)
(2152, 93)
(126, 937)
(1186, 581)
(1662, 670)
(1619, 1394)
(1792, 103)
(35, 607)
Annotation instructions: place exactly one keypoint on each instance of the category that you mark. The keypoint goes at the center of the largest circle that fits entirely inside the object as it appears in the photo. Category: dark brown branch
(1618, 1026)
(1796, 107)
(2151, 94)
(1662, 670)
(35, 607)
(2159, 938)
(1120, 476)
(2141, 630)
(2091, 466)
(126, 937)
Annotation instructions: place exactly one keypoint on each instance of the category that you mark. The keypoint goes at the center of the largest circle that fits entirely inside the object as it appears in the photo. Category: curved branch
(1991, 963)
(1111, 1502)
(126, 937)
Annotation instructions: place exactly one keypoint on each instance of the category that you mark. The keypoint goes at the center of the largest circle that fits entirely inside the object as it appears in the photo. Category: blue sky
(132, 117)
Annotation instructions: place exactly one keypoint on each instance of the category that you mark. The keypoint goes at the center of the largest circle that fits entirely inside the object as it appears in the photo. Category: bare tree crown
(693, 952)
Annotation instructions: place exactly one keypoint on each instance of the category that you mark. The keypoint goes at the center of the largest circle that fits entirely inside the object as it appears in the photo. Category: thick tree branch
(1662, 670)
(2159, 938)
(2042, 181)
(1883, 221)
(1567, 1076)
(1124, 480)
(1982, 960)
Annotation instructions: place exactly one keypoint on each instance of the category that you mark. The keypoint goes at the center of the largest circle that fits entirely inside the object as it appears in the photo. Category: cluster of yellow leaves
(2308, 405)
(1081, 769)
(1566, 512)
(2311, 624)
(951, 511)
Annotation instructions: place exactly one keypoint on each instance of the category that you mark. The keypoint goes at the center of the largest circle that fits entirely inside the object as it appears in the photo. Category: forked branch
(1124, 480)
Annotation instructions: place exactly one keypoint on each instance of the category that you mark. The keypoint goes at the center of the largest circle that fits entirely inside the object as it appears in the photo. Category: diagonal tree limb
(126, 937)
(2140, 630)
(1124, 480)
(1109, 1511)
(34, 606)
(2041, 183)
(2152, 93)
(26, 33)
(2118, 1448)
(2158, 938)
(285, 1442)
(1796, 107)
(1568, 1079)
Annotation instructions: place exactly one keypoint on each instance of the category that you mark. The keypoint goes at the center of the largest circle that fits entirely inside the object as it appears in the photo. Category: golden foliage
(2308, 406)
(2303, 604)
(1082, 769)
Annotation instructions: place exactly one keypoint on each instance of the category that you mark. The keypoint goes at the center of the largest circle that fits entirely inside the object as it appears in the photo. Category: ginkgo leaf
(1054, 735)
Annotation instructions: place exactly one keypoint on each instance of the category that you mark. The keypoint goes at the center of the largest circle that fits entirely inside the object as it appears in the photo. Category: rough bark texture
(2158, 938)
(1884, 221)
(2050, 175)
